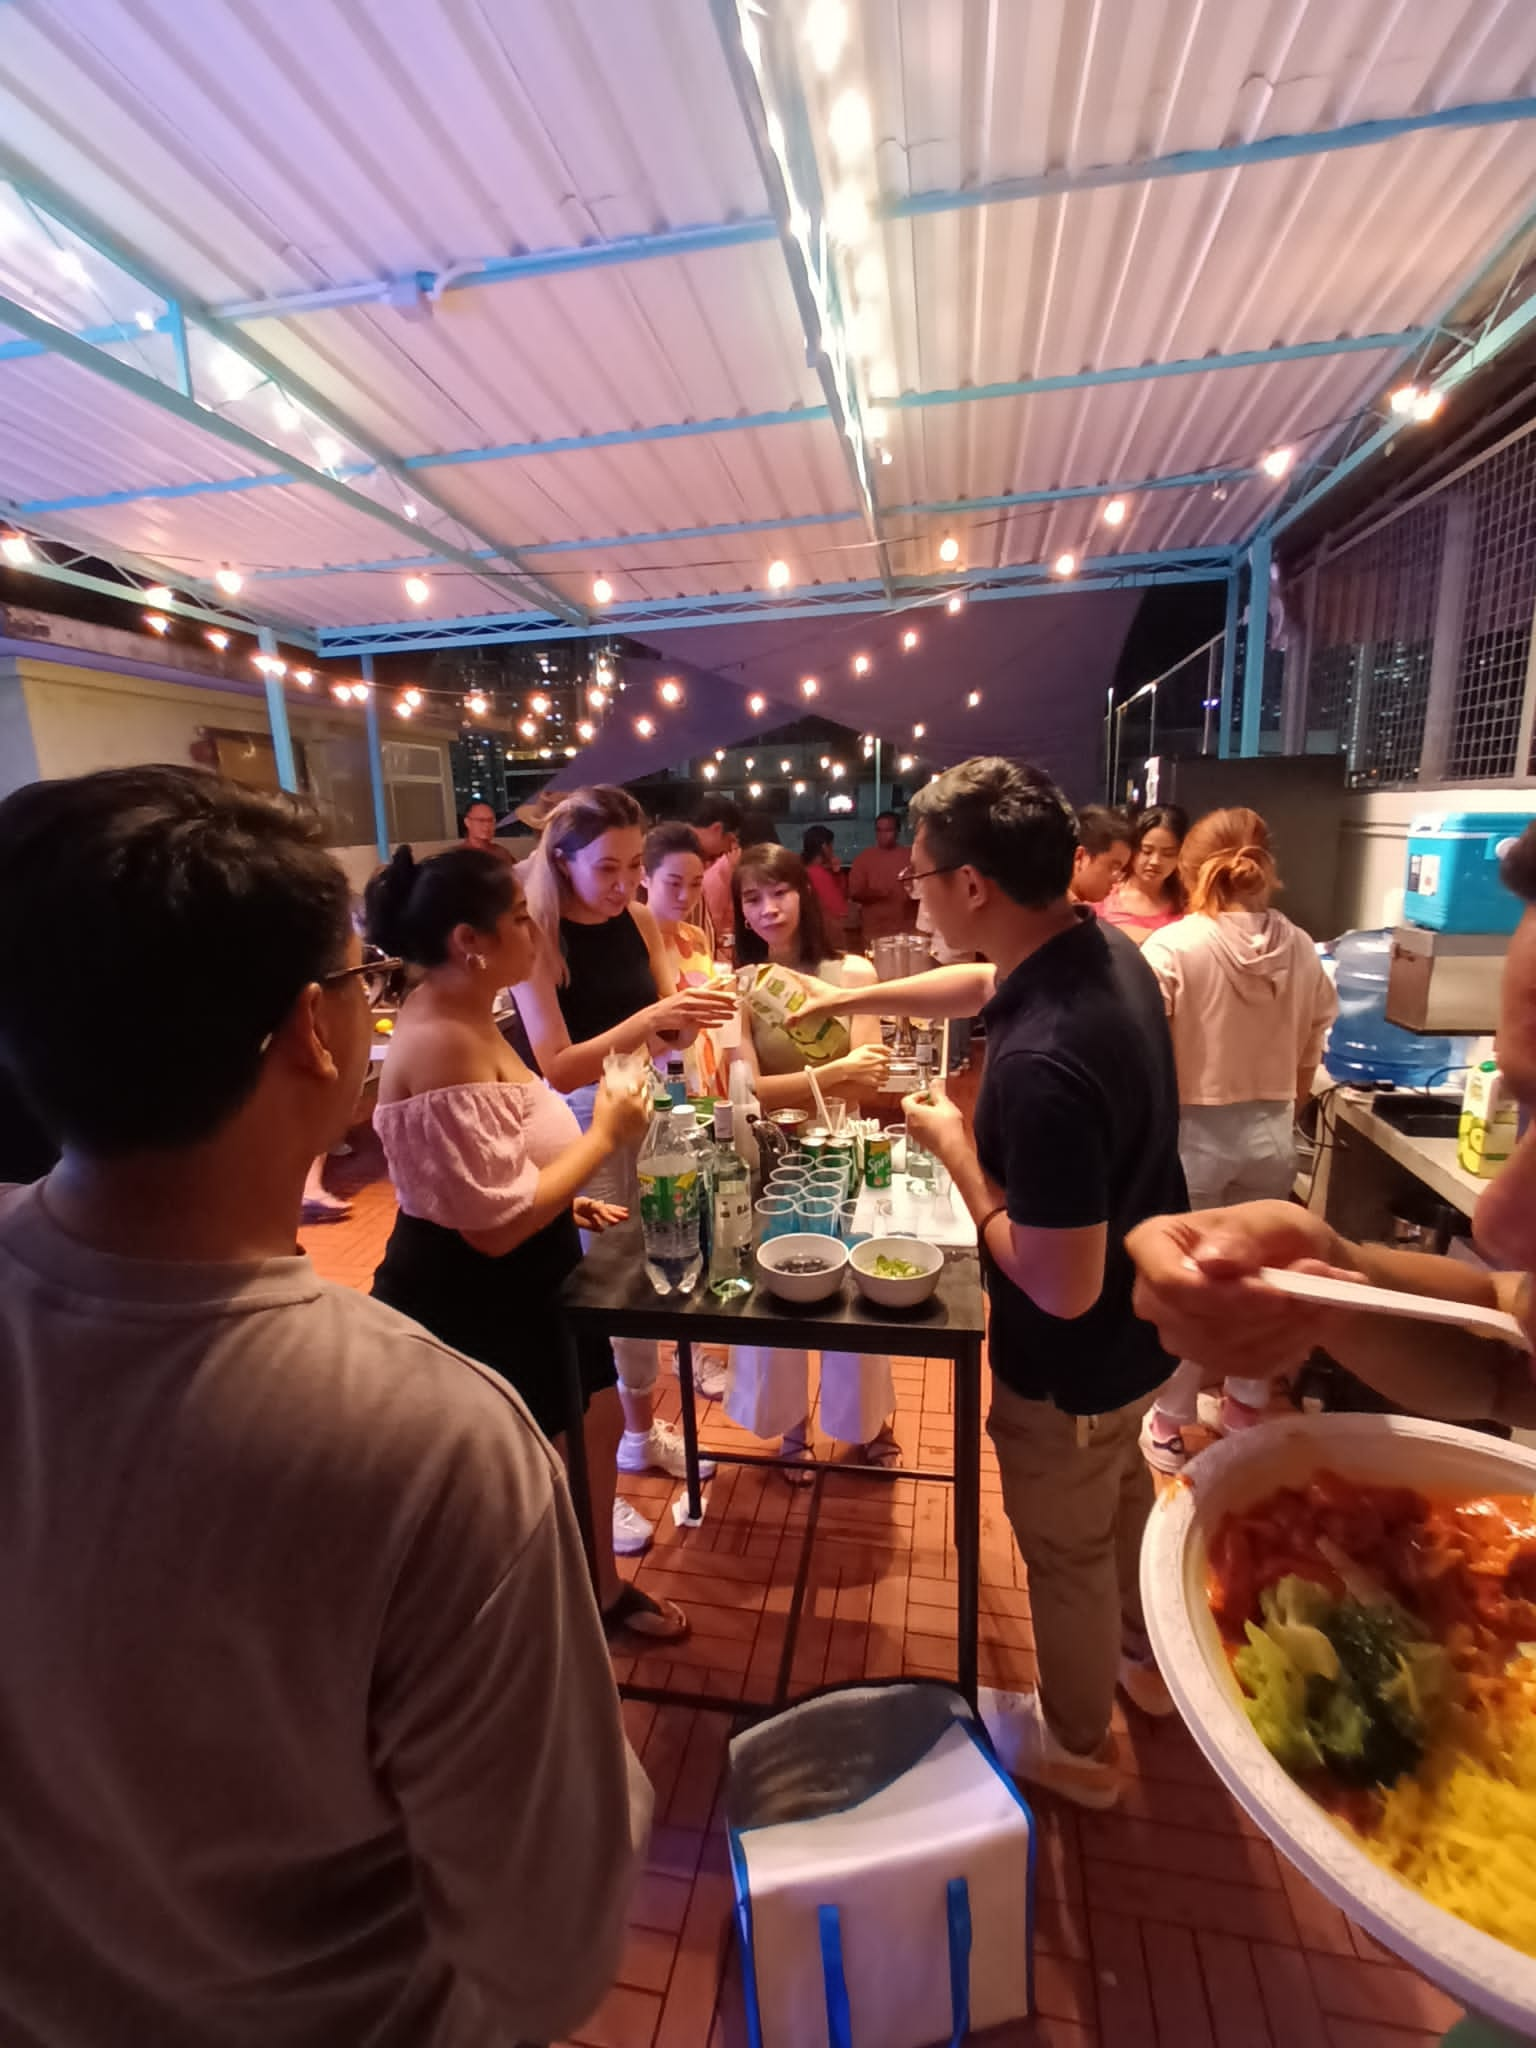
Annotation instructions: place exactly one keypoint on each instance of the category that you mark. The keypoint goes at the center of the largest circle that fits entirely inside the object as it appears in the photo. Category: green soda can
(842, 1152)
(877, 1161)
(813, 1146)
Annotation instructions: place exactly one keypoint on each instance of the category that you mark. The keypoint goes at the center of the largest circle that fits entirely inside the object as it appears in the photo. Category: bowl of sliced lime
(896, 1272)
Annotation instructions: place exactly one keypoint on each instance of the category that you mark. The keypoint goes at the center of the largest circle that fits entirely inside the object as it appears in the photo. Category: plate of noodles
(1344, 1609)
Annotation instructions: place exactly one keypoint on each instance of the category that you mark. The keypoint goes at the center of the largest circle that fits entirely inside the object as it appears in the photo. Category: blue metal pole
(1228, 667)
(277, 715)
(375, 761)
(1256, 647)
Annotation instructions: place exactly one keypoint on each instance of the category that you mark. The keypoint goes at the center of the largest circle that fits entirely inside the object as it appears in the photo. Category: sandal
(325, 1208)
(883, 1450)
(795, 1459)
(657, 1621)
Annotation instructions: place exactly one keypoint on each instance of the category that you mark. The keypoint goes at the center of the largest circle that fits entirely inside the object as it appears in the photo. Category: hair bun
(388, 897)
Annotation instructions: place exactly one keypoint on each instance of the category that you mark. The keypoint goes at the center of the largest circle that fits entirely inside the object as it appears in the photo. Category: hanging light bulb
(955, 604)
(157, 622)
(342, 692)
(756, 705)
(15, 547)
(778, 575)
(838, 771)
(919, 732)
(799, 789)
(539, 706)
(477, 705)
(671, 691)
(974, 699)
(304, 677)
(1426, 405)
(216, 639)
(909, 640)
(570, 753)
(404, 710)
(709, 771)
(1114, 512)
(754, 790)
(785, 766)
(826, 31)
(809, 686)
(645, 727)
(597, 699)
(269, 664)
(1404, 398)
(360, 692)
(861, 664)
(417, 589)
(605, 672)
(719, 753)
(949, 549)
(602, 590)
(906, 764)
(413, 698)
(408, 509)
(850, 130)
(1277, 462)
(1064, 565)
(528, 729)
(586, 730)
(159, 594)
(230, 581)
(144, 320)
(848, 217)
(750, 763)
(826, 763)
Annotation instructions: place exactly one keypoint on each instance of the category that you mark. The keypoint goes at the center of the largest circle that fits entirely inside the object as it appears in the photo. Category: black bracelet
(981, 1228)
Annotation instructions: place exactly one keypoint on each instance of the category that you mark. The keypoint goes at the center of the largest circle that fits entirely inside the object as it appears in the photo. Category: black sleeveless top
(609, 972)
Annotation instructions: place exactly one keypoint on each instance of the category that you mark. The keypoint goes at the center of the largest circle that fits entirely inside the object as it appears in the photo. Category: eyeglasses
(909, 875)
(376, 970)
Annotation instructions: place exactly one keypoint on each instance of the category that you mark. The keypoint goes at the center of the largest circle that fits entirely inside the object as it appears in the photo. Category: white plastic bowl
(801, 1287)
(1487, 1975)
(896, 1293)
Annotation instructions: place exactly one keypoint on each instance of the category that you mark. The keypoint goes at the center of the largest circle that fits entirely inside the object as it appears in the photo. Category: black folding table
(609, 1295)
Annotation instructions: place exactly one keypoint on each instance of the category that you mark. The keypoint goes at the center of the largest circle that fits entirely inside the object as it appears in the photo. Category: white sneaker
(631, 1531)
(1027, 1749)
(1143, 1685)
(660, 1449)
(710, 1371)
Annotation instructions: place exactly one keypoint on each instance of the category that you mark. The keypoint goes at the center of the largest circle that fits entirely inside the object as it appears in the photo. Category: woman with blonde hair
(602, 983)
(1248, 1006)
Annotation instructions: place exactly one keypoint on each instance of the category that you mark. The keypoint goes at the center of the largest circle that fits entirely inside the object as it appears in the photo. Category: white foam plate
(1389, 1301)
(1487, 1975)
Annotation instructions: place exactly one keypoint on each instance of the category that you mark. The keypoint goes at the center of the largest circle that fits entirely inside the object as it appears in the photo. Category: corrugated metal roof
(250, 148)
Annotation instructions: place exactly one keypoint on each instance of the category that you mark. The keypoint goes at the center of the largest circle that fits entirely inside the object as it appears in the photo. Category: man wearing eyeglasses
(1076, 1142)
(309, 1729)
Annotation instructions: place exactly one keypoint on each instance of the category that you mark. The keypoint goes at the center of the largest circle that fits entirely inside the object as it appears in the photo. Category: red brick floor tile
(1290, 2002)
(1179, 2002)
(1386, 1993)
(1202, 1904)
(625, 2019)
(646, 1963)
(695, 1987)
(1319, 1924)
(1120, 1975)
(1064, 1989)
(1199, 1852)
(1238, 2015)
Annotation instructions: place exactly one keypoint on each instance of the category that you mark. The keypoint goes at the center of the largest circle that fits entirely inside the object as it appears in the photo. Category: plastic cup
(845, 1225)
(777, 1216)
(818, 1215)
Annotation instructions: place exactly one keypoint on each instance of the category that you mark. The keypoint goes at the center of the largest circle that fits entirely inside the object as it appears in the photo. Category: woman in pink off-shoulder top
(488, 1164)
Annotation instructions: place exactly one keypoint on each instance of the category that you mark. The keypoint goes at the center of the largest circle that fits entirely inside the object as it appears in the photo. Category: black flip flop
(643, 1617)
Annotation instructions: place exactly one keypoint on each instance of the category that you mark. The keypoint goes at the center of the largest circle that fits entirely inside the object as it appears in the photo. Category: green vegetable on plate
(896, 1269)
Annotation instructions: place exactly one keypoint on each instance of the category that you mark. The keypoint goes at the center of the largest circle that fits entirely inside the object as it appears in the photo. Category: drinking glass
(777, 1216)
(846, 1229)
(818, 1215)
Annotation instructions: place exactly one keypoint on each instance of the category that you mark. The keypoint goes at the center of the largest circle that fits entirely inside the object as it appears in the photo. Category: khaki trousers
(1078, 1494)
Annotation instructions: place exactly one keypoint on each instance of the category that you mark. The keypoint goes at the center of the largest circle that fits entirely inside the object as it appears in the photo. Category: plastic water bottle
(669, 1176)
(730, 1257)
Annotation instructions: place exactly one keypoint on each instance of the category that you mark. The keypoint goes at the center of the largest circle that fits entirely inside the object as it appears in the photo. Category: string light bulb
(906, 764)
(709, 771)
(799, 789)
(908, 640)
(671, 691)
(597, 699)
(919, 732)
(1427, 404)
(1114, 512)
(605, 672)
(157, 622)
(778, 575)
(838, 771)
(644, 727)
(342, 692)
(304, 677)
(217, 639)
(826, 31)
(586, 730)
(360, 692)
(809, 686)
(757, 705)
(159, 594)
(848, 217)
(417, 589)
(949, 549)
(849, 127)
(404, 710)
(1065, 564)
(413, 698)
(1277, 462)
(539, 706)
(955, 604)
(754, 790)
(602, 590)
(719, 753)
(144, 320)
(229, 580)
(785, 766)
(861, 664)
(974, 699)
(750, 763)
(1404, 398)
(528, 729)
(409, 509)
(16, 548)
(476, 705)
(269, 664)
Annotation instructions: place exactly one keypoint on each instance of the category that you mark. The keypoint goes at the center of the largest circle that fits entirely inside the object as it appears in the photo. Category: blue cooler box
(1453, 871)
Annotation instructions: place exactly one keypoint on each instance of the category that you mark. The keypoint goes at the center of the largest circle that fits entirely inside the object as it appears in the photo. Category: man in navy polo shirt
(1076, 1142)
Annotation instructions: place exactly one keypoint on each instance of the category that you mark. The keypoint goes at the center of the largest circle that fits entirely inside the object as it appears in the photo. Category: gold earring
(475, 962)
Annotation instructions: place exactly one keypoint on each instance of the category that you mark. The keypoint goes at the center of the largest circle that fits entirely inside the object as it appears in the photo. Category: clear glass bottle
(730, 1258)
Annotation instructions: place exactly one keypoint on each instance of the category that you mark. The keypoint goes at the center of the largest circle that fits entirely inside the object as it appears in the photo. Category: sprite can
(877, 1161)
(841, 1152)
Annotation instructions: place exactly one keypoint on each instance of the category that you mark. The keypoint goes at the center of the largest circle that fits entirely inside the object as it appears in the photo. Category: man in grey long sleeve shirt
(307, 1729)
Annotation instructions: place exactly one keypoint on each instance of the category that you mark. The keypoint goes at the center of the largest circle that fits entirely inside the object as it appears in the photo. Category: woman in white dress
(779, 919)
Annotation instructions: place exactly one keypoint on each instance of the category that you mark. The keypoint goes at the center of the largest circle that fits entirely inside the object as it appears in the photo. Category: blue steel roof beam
(141, 385)
(528, 589)
(135, 593)
(1477, 352)
(1106, 572)
(692, 240)
(799, 210)
(629, 437)
(1001, 501)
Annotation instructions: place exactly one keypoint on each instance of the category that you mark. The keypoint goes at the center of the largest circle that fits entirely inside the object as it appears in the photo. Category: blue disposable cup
(777, 1216)
(818, 1215)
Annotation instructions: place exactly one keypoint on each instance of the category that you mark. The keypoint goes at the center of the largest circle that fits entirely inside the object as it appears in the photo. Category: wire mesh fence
(1418, 663)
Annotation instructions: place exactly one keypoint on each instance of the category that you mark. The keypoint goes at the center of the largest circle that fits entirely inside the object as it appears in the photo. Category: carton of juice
(1489, 1122)
(775, 994)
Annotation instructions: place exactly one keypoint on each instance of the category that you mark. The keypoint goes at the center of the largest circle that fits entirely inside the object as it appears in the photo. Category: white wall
(1373, 844)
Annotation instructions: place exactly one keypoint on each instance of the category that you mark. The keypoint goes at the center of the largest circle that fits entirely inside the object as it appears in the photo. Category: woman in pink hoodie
(1249, 1006)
